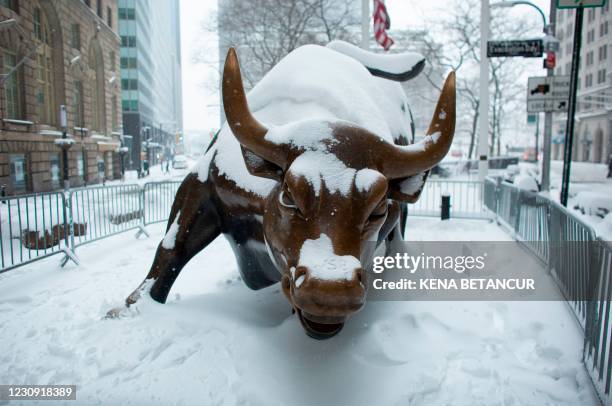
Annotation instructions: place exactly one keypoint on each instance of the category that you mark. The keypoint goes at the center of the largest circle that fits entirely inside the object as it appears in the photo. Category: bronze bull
(327, 187)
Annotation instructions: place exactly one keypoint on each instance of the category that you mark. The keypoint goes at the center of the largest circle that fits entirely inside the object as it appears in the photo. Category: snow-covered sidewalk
(217, 342)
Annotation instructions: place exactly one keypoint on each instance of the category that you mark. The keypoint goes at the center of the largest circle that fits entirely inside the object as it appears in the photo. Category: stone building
(54, 53)
(593, 125)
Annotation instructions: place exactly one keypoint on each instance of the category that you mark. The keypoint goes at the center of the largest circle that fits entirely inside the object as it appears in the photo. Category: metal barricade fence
(32, 227)
(157, 201)
(598, 329)
(101, 211)
(578, 261)
(40, 225)
(466, 198)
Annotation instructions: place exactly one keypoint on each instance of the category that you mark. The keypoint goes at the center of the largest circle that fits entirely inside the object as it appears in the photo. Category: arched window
(96, 86)
(45, 103)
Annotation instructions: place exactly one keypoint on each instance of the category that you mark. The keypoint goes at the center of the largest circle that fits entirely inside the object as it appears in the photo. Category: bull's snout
(327, 299)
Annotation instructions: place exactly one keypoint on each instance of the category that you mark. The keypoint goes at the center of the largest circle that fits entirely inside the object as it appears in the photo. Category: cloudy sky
(200, 94)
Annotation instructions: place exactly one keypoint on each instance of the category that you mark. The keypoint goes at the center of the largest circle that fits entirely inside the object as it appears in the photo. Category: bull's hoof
(319, 331)
(117, 312)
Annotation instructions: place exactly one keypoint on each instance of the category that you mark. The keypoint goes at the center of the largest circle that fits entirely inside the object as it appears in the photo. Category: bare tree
(455, 44)
(264, 31)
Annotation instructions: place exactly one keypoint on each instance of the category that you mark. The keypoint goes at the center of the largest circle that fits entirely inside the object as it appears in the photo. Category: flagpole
(365, 24)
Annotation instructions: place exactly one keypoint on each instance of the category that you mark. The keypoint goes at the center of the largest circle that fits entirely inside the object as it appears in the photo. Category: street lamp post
(551, 44)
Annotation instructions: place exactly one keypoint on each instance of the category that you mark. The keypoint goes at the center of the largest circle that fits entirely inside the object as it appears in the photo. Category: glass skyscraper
(150, 78)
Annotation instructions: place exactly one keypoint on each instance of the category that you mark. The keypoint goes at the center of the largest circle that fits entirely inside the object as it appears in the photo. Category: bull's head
(338, 187)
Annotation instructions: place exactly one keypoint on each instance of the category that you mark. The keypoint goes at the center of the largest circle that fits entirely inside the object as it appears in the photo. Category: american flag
(382, 22)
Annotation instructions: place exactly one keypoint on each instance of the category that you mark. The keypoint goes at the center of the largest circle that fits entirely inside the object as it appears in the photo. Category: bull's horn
(412, 159)
(249, 132)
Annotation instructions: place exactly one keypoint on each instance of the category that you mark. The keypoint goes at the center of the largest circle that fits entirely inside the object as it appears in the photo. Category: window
(80, 164)
(601, 76)
(128, 41)
(129, 84)
(114, 122)
(591, 15)
(101, 168)
(588, 80)
(76, 36)
(54, 163)
(12, 4)
(18, 171)
(99, 8)
(603, 53)
(112, 60)
(97, 81)
(590, 36)
(129, 105)
(12, 87)
(109, 17)
(45, 104)
(129, 62)
(77, 104)
(589, 58)
(127, 13)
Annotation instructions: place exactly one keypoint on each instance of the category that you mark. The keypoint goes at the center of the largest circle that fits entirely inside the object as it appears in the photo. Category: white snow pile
(593, 203)
(63, 141)
(580, 172)
(170, 237)
(604, 228)
(412, 184)
(309, 88)
(318, 256)
(217, 342)
(525, 182)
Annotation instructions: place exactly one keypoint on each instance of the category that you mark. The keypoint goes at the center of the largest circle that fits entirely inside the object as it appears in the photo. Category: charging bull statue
(301, 177)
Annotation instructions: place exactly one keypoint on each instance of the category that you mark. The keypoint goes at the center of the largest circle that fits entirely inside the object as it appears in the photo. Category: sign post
(569, 131)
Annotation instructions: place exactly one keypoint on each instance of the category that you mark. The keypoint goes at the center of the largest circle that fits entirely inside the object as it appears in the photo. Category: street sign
(548, 93)
(538, 106)
(578, 3)
(528, 48)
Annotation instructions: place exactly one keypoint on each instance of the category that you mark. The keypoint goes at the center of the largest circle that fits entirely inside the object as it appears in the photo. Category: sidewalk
(217, 342)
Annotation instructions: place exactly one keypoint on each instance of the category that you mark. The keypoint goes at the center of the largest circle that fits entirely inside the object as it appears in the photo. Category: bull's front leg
(192, 225)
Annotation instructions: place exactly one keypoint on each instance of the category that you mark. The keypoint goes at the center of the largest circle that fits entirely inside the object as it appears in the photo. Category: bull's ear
(408, 190)
(257, 166)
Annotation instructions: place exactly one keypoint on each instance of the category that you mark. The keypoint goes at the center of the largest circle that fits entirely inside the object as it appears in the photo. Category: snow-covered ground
(217, 342)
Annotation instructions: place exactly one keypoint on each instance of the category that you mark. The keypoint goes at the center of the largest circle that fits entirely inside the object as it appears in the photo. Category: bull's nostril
(299, 281)
(299, 276)
(359, 273)
(300, 271)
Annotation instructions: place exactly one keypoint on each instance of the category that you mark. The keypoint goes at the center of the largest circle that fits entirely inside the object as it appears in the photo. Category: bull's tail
(396, 67)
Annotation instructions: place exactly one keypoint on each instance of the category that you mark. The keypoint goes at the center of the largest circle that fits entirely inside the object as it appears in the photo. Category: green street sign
(578, 3)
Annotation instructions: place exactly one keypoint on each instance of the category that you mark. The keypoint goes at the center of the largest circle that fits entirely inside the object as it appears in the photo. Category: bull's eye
(285, 200)
(379, 211)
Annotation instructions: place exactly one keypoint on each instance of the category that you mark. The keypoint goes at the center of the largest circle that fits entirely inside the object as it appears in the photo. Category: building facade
(593, 125)
(150, 79)
(58, 53)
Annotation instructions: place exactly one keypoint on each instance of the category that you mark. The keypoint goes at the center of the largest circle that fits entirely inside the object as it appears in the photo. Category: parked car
(180, 162)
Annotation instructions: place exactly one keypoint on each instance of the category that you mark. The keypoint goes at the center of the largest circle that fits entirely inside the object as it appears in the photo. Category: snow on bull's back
(318, 256)
(338, 84)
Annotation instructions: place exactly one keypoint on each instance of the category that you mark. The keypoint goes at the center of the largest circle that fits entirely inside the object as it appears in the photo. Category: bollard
(445, 208)
(3, 192)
